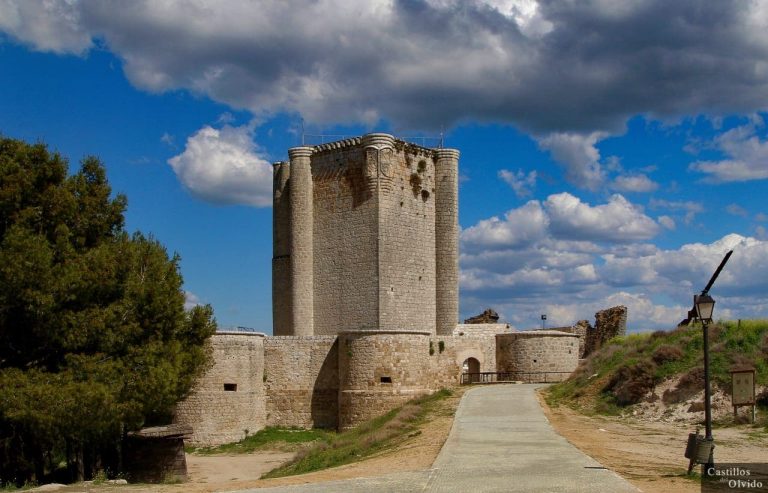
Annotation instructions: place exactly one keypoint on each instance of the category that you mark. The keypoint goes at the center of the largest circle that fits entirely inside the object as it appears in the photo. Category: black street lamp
(705, 305)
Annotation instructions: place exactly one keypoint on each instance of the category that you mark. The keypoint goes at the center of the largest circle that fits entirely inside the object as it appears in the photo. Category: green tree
(94, 337)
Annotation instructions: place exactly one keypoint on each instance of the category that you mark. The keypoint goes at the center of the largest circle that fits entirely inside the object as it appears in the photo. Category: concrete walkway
(500, 441)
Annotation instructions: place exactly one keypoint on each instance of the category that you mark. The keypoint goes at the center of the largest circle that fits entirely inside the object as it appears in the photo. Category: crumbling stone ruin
(365, 299)
(488, 316)
(609, 323)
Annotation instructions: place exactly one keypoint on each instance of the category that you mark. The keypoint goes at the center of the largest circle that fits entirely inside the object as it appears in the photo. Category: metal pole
(707, 401)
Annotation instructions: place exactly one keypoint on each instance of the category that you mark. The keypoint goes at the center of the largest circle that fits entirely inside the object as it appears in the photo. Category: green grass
(731, 344)
(367, 439)
(272, 438)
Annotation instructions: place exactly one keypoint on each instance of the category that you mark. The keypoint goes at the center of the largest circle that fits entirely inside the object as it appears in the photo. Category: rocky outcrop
(489, 316)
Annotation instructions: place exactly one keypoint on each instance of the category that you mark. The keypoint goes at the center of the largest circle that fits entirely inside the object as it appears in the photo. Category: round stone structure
(227, 402)
(380, 370)
(537, 355)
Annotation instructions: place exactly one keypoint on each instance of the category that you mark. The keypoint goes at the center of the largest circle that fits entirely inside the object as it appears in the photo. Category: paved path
(500, 441)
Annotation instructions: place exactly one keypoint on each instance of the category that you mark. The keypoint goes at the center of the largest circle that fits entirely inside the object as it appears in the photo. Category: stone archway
(472, 367)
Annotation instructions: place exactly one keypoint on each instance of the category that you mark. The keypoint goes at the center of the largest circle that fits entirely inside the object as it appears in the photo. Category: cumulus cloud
(746, 155)
(522, 61)
(523, 279)
(619, 220)
(578, 154)
(223, 166)
(634, 183)
(522, 183)
(736, 210)
(519, 227)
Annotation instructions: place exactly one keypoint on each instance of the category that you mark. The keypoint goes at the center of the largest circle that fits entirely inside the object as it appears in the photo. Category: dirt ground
(647, 453)
(235, 472)
(650, 454)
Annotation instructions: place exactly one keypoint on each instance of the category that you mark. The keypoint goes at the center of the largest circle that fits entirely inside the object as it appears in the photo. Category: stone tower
(365, 238)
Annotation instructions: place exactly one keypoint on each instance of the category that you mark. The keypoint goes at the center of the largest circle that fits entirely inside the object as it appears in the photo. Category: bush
(631, 382)
(666, 353)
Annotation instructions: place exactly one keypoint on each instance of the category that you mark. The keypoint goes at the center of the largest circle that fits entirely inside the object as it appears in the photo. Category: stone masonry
(365, 299)
(609, 323)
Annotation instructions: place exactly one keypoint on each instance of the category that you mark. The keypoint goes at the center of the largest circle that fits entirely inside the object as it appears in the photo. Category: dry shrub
(631, 383)
(689, 385)
(696, 407)
(765, 345)
(761, 399)
(666, 353)
(657, 334)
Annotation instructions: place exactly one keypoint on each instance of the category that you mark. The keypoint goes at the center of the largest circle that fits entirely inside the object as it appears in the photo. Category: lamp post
(543, 321)
(705, 305)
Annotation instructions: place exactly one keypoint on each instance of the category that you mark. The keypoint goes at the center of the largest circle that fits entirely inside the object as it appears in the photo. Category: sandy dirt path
(651, 455)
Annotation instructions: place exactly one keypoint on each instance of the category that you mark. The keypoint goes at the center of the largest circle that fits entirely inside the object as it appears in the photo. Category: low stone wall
(380, 370)
(446, 366)
(301, 375)
(489, 330)
(537, 355)
(227, 402)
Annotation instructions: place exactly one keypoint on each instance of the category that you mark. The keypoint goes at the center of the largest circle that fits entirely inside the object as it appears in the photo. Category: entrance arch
(472, 367)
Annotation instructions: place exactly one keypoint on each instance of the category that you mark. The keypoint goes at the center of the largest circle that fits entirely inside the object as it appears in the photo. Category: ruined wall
(406, 233)
(218, 412)
(380, 370)
(608, 324)
(345, 240)
(302, 381)
(537, 355)
(488, 330)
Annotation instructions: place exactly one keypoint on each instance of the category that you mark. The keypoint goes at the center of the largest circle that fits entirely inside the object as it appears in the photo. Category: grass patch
(664, 354)
(371, 437)
(268, 438)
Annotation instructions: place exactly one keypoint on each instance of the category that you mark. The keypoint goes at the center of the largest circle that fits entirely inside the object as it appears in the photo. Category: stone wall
(229, 398)
(380, 370)
(537, 355)
(406, 217)
(608, 324)
(345, 240)
(302, 381)
(446, 366)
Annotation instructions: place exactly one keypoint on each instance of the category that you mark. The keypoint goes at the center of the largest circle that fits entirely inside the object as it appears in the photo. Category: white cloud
(761, 217)
(46, 25)
(634, 183)
(191, 300)
(736, 210)
(667, 222)
(577, 152)
(619, 220)
(521, 182)
(690, 208)
(746, 156)
(223, 166)
(519, 227)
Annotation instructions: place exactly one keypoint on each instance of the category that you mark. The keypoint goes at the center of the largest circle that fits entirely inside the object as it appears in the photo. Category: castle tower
(282, 306)
(302, 277)
(447, 239)
(372, 242)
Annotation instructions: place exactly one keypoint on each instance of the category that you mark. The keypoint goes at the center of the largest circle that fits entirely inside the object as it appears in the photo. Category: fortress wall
(407, 238)
(345, 239)
(380, 370)
(301, 379)
(446, 366)
(533, 354)
(220, 416)
(282, 307)
(447, 239)
(609, 323)
(487, 330)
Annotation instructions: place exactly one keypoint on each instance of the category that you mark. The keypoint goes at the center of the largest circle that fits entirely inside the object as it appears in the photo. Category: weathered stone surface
(488, 316)
(537, 355)
(609, 323)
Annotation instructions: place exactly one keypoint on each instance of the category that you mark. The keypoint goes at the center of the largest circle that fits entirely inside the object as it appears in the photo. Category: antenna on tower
(302, 131)
(441, 136)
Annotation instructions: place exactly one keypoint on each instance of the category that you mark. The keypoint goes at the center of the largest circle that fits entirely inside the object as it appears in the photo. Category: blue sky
(611, 152)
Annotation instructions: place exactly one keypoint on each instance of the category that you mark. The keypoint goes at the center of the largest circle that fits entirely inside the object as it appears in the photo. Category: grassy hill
(625, 371)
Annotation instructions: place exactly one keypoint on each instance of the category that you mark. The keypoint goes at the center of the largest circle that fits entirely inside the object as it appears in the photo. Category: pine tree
(94, 337)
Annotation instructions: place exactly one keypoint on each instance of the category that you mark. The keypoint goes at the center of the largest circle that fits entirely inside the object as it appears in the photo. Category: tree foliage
(94, 337)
